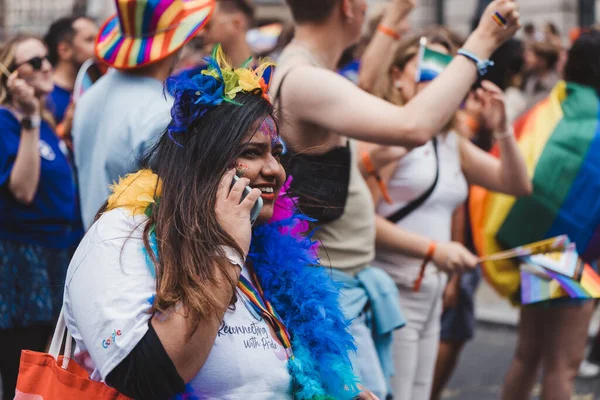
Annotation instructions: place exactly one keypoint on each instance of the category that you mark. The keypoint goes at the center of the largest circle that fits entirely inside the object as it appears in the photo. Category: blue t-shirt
(58, 102)
(47, 220)
(350, 71)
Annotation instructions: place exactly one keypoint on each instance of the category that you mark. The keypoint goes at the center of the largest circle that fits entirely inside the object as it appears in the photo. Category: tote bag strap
(60, 333)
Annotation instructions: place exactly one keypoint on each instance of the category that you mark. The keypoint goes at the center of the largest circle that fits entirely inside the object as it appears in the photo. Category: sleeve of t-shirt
(10, 132)
(109, 290)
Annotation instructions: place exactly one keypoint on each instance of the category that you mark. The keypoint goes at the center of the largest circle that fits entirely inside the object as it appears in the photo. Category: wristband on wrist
(426, 260)
(482, 65)
(389, 32)
(509, 133)
(368, 163)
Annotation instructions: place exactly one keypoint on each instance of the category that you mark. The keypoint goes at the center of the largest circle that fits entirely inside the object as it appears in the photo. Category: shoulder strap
(277, 97)
(416, 203)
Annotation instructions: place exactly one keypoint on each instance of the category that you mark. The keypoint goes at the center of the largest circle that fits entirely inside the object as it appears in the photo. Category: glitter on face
(241, 169)
(268, 128)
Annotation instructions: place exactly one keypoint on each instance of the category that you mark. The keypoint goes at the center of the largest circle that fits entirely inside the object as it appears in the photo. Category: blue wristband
(482, 65)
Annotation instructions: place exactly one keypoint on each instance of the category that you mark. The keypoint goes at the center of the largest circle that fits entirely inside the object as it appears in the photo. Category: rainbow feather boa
(301, 291)
(306, 298)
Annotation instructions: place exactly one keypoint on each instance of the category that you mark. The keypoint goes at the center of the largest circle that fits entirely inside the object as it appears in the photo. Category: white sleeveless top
(415, 174)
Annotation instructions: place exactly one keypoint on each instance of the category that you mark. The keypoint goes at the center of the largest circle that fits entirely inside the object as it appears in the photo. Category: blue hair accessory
(196, 92)
(193, 97)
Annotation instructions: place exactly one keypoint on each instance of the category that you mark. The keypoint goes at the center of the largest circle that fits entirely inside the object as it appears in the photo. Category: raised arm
(321, 97)
(379, 54)
(190, 353)
(25, 173)
(508, 174)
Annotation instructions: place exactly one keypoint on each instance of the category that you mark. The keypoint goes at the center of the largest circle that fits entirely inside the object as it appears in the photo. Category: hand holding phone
(236, 207)
(257, 206)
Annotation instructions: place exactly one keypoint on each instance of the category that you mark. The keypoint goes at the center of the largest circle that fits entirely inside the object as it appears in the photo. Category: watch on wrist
(31, 122)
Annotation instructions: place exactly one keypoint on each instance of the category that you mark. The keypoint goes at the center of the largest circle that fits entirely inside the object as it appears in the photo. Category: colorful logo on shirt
(112, 338)
(46, 151)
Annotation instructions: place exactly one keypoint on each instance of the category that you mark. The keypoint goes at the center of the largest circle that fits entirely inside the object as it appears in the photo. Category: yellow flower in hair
(238, 80)
(248, 79)
(135, 192)
(232, 85)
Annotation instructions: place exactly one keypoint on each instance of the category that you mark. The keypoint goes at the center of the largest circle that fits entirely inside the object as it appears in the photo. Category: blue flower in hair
(193, 97)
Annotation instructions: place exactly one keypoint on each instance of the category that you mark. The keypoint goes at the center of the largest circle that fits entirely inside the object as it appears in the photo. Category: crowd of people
(200, 210)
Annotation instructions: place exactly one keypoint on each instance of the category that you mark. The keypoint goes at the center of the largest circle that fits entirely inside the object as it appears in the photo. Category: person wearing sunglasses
(37, 199)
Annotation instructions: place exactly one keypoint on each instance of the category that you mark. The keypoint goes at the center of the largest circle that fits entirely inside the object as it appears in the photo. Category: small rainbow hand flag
(539, 283)
(431, 62)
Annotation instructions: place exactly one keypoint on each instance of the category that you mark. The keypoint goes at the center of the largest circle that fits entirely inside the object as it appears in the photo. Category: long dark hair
(583, 65)
(190, 166)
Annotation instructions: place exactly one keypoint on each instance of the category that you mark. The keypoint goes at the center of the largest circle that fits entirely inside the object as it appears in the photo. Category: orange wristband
(389, 32)
(366, 159)
(428, 257)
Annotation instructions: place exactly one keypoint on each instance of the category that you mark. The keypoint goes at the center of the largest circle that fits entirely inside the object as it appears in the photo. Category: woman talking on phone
(173, 290)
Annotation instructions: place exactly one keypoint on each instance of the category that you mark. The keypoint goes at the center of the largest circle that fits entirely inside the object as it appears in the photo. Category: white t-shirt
(107, 298)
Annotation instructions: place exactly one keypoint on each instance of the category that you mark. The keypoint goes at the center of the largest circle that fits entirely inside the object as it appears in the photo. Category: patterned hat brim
(121, 52)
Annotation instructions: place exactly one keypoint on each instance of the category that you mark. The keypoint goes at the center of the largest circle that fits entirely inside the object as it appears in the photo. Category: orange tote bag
(48, 376)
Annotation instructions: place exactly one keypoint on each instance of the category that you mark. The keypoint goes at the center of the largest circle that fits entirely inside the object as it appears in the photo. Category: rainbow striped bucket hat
(146, 31)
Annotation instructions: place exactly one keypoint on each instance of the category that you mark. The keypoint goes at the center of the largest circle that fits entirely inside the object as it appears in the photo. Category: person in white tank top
(425, 233)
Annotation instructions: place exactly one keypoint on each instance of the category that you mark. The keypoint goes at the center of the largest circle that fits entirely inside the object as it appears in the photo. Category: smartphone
(257, 206)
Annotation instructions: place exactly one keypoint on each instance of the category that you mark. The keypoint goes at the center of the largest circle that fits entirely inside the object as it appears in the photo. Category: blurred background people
(507, 74)
(440, 170)
(541, 60)
(37, 199)
(126, 110)
(228, 26)
(70, 42)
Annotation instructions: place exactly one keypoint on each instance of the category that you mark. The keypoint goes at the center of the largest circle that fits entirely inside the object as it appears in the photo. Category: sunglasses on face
(35, 62)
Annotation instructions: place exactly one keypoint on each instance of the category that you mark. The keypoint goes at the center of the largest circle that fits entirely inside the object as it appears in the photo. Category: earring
(398, 84)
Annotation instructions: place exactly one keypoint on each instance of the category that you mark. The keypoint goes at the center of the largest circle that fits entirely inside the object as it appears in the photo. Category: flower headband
(219, 82)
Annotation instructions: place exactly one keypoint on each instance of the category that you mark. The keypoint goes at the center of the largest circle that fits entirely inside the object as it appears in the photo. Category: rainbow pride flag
(540, 284)
(431, 63)
(560, 139)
